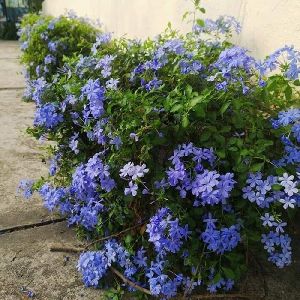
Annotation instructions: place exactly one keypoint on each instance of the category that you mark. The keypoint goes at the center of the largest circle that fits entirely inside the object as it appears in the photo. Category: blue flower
(132, 189)
(222, 240)
(103, 38)
(133, 171)
(273, 243)
(74, 143)
(49, 59)
(95, 93)
(47, 116)
(93, 266)
(52, 46)
(223, 25)
(268, 220)
(52, 197)
(25, 186)
(152, 84)
(166, 234)
(288, 202)
(112, 84)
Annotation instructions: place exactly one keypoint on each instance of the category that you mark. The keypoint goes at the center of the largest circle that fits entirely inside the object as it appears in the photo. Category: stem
(129, 282)
(113, 235)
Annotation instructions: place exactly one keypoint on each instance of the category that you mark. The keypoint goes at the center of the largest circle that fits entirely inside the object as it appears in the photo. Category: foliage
(182, 148)
(46, 40)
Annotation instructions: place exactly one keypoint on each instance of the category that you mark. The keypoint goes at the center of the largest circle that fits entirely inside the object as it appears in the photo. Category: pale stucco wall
(267, 24)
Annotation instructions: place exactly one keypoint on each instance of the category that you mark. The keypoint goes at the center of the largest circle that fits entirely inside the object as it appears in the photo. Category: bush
(174, 157)
(46, 40)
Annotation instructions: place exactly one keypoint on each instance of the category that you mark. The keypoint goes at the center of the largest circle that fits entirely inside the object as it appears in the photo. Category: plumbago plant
(46, 40)
(174, 157)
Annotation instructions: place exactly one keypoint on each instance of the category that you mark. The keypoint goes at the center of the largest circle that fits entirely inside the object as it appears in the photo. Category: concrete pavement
(25, 260)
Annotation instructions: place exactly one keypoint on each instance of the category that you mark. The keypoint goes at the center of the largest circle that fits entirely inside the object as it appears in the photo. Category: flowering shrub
(181, 153)
(46, 40)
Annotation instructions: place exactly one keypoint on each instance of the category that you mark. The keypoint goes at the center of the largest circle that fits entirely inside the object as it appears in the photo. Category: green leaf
(217, 278)
(195, 101)
(185, 15)
(297, 82)
(229, 273)
(221, 154)
(185, 121)
(288, 93)
(205, 136)
(176, 107)
(224, 107)
(257, 167)
(188, 90)
(276, 187)
(128, 239)
(200, 22)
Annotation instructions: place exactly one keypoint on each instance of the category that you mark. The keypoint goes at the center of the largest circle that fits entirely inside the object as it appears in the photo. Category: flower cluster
(207, 187)
(47, 116)
(289, 119)
(262, 192)
(222, 25)
(95, 94)
(166, 234)
(290, 59)
(133, 173)
(81, 201)
(101, 39)
(229, 65)
(221, 240)
(278, 247)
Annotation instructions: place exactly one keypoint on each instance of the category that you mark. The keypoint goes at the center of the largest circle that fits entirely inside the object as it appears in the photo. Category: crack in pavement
(31, 225)
(12, 88)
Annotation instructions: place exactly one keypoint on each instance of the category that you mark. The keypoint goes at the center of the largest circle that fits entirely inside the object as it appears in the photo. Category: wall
(267, 24)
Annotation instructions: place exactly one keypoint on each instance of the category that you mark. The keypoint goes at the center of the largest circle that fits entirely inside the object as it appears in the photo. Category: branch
(129, 282)
(61, 248)
(113, 235)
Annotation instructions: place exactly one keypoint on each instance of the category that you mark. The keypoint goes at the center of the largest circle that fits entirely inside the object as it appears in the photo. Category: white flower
(286, 180)
(288, 202)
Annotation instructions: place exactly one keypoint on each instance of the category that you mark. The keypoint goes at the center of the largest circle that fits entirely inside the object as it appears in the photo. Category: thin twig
(113, 235)
(61, 248)
(129, 282)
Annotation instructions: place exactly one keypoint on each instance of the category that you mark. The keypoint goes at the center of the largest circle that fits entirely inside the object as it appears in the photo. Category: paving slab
(25, 261)
(10, 68)
(9, 49)
(20, 158)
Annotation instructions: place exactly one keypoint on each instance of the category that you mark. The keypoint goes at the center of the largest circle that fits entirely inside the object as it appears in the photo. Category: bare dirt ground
(25, 259)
